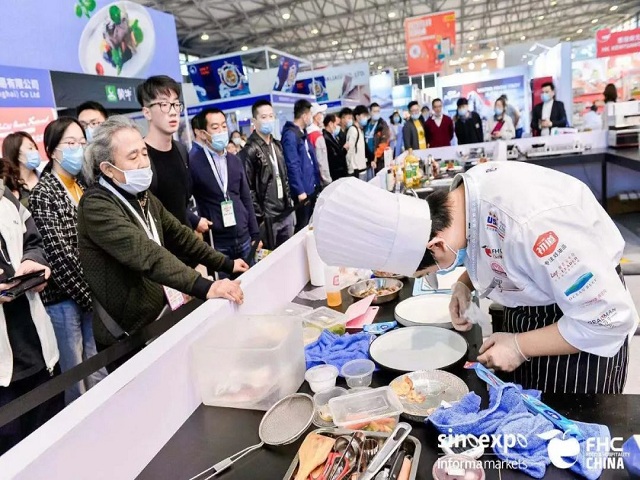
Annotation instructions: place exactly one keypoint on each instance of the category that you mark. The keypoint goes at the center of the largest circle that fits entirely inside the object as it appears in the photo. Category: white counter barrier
(114, 430)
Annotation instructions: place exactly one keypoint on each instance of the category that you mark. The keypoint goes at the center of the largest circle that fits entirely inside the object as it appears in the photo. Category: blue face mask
(72, 159)
(462, 112)
(336, 131)
(363, 122)
(415, 116)
(349, 123)
(88, 132)
(545, 97)
(499, 111)
(461, 256)
(375, 117)
(396, 119)
(33, 159)
(266, 128)
(219, 141)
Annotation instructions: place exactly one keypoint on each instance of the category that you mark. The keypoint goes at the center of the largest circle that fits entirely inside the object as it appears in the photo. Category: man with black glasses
(159, 98)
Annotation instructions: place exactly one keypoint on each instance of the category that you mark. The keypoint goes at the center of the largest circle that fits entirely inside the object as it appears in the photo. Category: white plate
(425, 310)
(90, 46)
(418, 348)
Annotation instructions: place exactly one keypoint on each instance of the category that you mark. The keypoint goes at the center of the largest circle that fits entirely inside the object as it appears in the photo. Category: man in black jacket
(468, 124)
(335, 152)
(414, 131)
(548, 114)
(267, 176)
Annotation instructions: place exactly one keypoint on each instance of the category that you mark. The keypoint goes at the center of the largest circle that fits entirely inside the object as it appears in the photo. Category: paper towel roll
(316, 265)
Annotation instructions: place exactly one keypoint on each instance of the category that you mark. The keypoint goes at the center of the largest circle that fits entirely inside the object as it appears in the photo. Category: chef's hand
(240, 266)
(500, 351)
(203, 225)
(227, 289)
(460, 300)
(29, 266)
(6, 286)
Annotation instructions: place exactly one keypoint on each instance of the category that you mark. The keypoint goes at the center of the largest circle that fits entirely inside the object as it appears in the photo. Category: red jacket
(439, 136)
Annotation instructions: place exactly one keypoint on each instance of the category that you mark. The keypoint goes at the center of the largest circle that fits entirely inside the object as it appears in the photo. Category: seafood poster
(96, 37)
(219, 78)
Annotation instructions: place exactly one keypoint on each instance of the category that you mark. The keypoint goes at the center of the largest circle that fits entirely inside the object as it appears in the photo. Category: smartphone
(26, 276)
(24, 286)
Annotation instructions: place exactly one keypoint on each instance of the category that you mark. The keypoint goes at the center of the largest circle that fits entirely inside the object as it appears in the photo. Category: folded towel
(522, 438)
(337, 350)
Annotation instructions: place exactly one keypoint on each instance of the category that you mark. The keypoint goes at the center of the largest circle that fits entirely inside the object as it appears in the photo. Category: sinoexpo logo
(545, 244)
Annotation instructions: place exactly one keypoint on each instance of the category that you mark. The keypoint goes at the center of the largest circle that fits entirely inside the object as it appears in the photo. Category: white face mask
(136, 181)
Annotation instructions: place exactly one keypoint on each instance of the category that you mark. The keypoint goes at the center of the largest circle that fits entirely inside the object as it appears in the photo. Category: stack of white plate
(432, 310)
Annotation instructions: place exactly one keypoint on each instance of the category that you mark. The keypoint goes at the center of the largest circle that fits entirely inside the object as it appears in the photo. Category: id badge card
(280, 187)
(174, 297)
(228, 216)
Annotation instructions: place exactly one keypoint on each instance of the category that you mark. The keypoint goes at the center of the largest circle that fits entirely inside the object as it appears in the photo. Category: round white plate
(429, 309)
(418, 348)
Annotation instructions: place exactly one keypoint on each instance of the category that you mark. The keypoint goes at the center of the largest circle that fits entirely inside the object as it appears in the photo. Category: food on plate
(121, 37)
(383, 425)
(406, 389)
(378, 292)
(381, 274)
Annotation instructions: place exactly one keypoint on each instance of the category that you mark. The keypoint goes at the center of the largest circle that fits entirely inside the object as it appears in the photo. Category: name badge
(174, 297)
(228, 216)
(280, 187)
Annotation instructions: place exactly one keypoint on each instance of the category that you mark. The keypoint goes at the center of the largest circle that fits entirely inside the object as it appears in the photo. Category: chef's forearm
(464, 278)
(544, 342)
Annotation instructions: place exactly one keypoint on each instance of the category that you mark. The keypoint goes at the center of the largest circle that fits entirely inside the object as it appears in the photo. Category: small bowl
(321, 402)
(358, 373)
(360, 289)
(322, 377)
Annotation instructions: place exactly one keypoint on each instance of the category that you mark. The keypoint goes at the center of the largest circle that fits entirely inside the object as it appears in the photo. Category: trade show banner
(610, 43)
(345, 82)
(72, 89)
(316, 86)
(287, 72)
(430, 40)
(31, 120)
(219, 78)
(483, 94)
(402, 95)
(25, 87)
(381, 90)
(98, 37)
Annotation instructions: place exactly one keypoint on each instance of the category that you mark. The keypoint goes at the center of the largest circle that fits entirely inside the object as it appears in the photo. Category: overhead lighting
(524, 56)
(595, 20)
(379, 67)
(541, 17)
(314, 31)
(530, 63)
(392, 14)
(554, 3)
(204, 37)
(273, 56)
(568, 39)
(350, 50)
(613, 8)
(471, 45)
(532, 47)
(334, 42)
(244, 48)
(579, 31)
(471, 37)
(372, 62)
(286, 15)
(523, 38)
(484, 65)
(472, 66)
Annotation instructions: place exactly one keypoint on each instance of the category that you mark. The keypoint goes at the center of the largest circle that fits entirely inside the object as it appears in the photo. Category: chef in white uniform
(532, 239)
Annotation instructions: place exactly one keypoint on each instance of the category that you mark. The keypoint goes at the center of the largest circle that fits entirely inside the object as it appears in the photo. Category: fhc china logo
(545, 244)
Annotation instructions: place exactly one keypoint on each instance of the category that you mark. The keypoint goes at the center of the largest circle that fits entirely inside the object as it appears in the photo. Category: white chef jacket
(540, 237)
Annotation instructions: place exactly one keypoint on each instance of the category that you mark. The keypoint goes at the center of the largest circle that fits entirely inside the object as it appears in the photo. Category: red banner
(30, 120)
(430, 40)
(609, 43)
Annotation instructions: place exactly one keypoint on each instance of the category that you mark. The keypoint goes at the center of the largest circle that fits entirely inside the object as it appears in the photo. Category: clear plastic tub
(358, 373)
(249, 361)
(321, 402)
(293, 310)
(326, 319)
(375, 410)
(321, 377)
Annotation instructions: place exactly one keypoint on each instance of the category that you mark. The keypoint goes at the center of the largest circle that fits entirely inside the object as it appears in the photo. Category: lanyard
(223, 183)
(153, 233)
(274, 160)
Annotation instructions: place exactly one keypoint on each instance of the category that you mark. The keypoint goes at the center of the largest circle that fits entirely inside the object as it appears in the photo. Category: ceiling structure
(330, 32)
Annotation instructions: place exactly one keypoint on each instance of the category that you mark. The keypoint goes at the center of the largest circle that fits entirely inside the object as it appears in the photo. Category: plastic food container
(249, 361)
(321, 402)
(358, 373)
(293, 310)
(321, 377)
(326, 319)
(375, 410)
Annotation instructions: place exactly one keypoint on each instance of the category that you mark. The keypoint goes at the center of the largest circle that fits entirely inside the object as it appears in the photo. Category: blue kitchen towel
(337, 350)
(521, 438)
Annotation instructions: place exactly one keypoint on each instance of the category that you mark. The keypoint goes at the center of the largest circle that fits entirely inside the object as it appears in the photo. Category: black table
(211, 434)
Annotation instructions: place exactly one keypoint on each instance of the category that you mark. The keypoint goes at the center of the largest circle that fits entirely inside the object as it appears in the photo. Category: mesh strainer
(283, 423)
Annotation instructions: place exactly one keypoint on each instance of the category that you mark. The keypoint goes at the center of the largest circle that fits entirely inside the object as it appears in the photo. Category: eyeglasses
(92, 123)
(74, 143)
(165, 107)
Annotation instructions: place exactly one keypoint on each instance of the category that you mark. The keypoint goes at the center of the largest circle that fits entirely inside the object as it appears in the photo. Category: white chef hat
(359, 225)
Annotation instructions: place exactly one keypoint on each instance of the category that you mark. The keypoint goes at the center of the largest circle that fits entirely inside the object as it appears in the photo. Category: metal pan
(360, 290)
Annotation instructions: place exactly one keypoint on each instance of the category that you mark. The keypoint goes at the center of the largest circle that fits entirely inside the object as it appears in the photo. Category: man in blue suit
(302, 165)
(220, 186)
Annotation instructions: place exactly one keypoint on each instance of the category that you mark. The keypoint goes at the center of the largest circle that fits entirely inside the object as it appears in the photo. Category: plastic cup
(322, 377)
(321, 401)
(358, 373)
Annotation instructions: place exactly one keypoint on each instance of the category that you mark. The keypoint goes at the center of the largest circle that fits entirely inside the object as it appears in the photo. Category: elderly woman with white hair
(128, 241)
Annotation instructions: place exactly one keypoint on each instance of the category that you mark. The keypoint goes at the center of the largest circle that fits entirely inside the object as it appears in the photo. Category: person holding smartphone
(28, 349)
